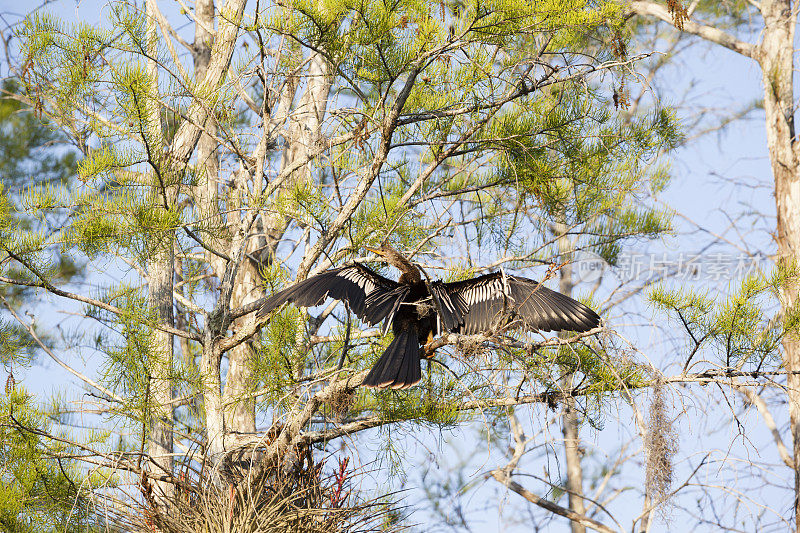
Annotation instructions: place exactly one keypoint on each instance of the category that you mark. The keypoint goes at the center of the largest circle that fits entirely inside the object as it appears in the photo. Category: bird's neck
(410, 276)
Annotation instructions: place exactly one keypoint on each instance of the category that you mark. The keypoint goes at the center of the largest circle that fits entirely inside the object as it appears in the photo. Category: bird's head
(384, 250)
(392, 256)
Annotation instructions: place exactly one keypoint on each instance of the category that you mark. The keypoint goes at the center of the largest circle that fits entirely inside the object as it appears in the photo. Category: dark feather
(450, 315)
(382, 304)
(399, 366)
(371, 296)
(493, 300)
(468, 307)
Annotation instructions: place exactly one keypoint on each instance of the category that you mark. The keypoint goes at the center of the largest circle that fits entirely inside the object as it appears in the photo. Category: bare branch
(91, 301)
(709, 33)
(55, 358)
(755, 399)
(554, 508)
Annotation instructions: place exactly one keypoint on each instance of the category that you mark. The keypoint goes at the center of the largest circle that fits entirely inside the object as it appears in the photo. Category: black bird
(417, 309)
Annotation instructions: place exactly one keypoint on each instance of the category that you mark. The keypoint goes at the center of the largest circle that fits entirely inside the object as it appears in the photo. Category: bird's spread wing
(451, 315)
(371, 296)
(497, 299)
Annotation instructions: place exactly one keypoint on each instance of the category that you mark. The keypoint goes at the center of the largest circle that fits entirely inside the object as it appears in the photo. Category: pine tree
(473, 135)
(39, 486)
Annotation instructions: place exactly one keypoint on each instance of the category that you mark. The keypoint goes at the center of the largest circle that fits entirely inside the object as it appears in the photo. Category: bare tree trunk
(159, 274)
(160, 265)
(303, 131)
(569, 418)
(239, 404)
(776, 58)
(569, 429)
(207, 206)
(212, 400)
(206, 191)
(224, 413)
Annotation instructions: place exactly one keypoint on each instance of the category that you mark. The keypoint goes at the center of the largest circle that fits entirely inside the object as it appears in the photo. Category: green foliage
(33, 152)
(39, 491)
(386, 217)
(116, 184)
(277, 359)
(422, 405)
(37, 488)
(71, 56)
(500, 134)
(586, 168)
(738, 330)
(304, 203)
(595, 375)
(132, 352)
(16, 344)
(37, 165)
(127, 369)
(387, 37)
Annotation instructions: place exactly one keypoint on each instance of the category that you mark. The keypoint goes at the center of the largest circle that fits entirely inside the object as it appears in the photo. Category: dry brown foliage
(295, 496)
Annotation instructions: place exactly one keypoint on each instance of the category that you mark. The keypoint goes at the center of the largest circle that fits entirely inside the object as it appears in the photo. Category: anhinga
(417, 309)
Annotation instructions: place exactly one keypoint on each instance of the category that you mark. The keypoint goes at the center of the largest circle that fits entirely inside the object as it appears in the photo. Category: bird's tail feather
(398, 367)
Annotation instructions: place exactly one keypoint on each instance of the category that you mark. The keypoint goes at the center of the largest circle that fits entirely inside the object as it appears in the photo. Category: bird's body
(417, 310)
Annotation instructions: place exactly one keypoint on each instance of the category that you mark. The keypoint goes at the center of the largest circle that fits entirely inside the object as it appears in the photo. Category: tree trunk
(206, 192)
(239, 404)
(569, 418)
(159, 280)
(303, 131)
(160, 268)
(777, 66)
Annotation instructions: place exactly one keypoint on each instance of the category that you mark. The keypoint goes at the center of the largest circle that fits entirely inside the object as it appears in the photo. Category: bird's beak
(374, 250)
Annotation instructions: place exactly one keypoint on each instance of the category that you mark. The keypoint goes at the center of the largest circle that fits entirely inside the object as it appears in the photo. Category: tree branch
(55, 358)
(554, 508)
(44, 284)
(761, 405)
(709, 33)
